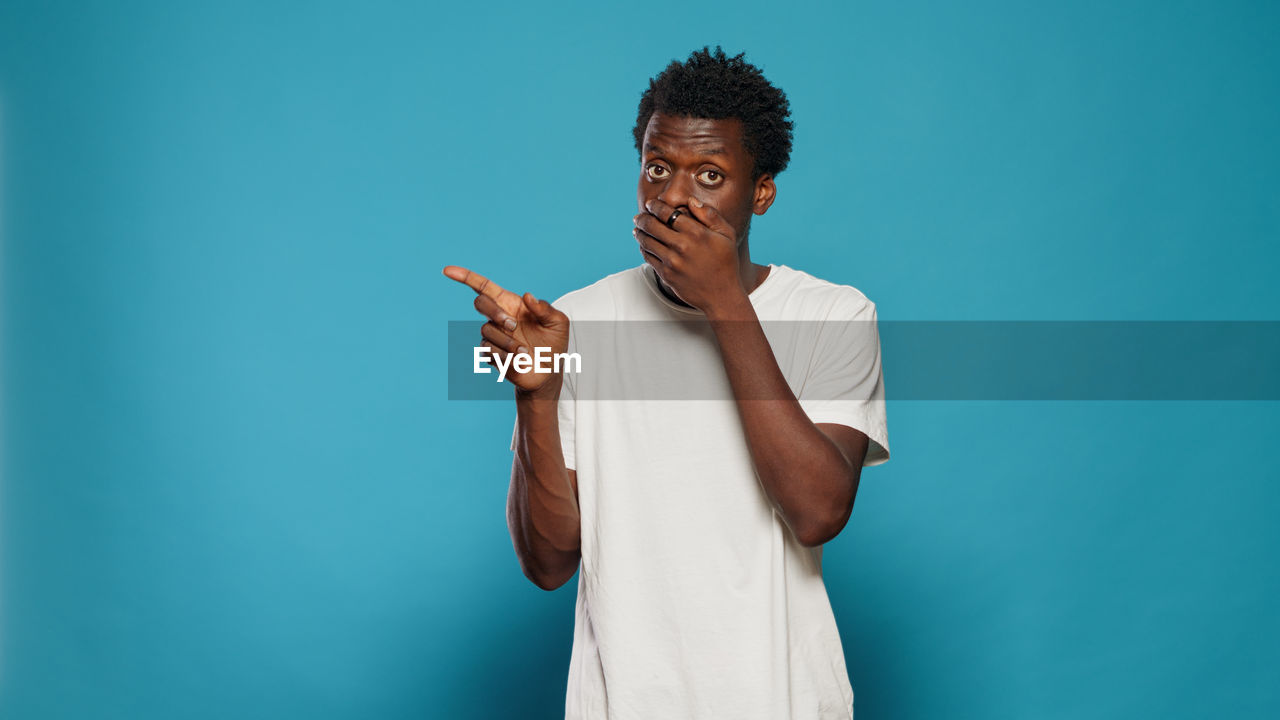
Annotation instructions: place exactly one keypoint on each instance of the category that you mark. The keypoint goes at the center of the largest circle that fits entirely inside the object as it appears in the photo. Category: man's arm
(542, 502)
(810, 473)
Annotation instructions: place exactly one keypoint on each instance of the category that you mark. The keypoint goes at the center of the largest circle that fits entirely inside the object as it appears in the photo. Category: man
(698, 521)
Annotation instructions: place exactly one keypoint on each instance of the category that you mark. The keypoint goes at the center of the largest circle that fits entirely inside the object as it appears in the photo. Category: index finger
(481, 284)
(709, 216)
(663, 210)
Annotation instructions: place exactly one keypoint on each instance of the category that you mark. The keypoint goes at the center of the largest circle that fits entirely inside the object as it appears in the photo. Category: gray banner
(920, 360)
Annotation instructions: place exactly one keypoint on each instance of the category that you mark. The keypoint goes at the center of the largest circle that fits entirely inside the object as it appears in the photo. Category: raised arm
(542, 501)
(809, 472)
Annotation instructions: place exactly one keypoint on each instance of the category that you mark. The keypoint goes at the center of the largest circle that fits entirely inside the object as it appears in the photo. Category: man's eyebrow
(655, 150)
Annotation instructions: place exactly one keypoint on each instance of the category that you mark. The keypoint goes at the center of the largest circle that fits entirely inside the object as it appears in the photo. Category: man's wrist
(549, 391)
(736, 307)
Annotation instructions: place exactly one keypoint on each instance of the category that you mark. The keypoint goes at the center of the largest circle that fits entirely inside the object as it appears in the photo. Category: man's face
(685, 157)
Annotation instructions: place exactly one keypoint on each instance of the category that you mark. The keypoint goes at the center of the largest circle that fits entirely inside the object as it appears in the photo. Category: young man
(718, 443)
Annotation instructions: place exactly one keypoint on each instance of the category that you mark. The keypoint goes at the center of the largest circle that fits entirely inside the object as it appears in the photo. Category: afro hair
(714, 86)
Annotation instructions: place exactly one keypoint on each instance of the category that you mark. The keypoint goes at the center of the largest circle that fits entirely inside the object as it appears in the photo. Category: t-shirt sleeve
(565, 410)
(845, 384)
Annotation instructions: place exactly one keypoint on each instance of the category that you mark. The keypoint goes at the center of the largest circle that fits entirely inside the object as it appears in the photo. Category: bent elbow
(549, 580)
(546, 582)
(817, 537)
(824, 530)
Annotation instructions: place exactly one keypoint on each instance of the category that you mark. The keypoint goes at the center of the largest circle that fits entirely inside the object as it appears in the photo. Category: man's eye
(710, 177)
(656, 171)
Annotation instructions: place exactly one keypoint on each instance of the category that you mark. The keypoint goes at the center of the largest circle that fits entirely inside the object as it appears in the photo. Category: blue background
(233, 486)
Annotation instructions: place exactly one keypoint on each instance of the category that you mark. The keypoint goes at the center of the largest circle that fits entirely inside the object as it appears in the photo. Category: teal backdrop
(233, 486)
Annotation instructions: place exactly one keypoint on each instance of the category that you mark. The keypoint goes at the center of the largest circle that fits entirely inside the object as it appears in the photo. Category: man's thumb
(541, 309)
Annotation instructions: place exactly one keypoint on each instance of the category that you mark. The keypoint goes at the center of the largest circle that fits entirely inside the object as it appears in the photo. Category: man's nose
(677, 192)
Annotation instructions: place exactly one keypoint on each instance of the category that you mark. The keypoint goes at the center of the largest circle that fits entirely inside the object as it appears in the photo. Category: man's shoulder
(803, 292)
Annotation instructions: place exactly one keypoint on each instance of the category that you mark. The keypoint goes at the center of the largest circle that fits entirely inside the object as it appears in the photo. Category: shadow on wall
(519, 664)
(873, 638)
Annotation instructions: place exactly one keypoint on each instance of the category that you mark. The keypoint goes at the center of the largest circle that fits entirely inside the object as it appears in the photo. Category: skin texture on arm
(810, 472)
(700, 167)
(542, 501)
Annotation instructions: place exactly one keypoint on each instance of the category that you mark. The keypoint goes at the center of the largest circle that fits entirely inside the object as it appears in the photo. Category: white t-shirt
(694, 599)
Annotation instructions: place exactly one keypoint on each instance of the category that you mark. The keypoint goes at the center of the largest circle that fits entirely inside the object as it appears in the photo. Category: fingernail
(696, 202)
(509, 323)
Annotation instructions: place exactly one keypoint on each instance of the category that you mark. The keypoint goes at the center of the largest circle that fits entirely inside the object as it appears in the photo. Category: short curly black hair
(712, 85)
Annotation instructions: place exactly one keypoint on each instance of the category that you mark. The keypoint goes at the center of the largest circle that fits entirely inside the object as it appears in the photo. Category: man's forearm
(802, 471)
(542, 507)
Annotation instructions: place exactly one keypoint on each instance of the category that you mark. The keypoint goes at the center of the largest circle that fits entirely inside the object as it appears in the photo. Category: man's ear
(765, 192)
